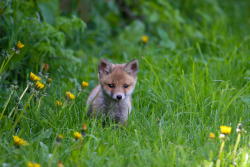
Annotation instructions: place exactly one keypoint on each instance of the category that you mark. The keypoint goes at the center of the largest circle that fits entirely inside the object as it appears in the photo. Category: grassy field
(188, 86)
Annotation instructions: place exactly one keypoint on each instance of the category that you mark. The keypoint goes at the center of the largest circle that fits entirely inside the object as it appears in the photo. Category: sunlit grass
(174, 112)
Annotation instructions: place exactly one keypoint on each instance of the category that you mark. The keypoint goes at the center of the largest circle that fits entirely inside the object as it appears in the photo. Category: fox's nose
(119, 97)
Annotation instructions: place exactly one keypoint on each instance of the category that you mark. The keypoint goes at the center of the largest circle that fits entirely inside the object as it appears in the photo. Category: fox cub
(112, 97)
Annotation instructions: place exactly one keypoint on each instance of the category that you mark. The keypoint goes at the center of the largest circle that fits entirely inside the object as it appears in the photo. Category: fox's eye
(111, 85)
(125, 86)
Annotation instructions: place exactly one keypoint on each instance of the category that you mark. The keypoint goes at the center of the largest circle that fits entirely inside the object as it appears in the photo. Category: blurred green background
(66, 33)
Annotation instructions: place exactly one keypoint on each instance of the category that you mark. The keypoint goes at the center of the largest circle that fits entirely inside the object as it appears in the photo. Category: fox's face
(118, 80)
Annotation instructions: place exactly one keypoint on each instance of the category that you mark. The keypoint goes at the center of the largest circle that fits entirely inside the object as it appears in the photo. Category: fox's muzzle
(118, 96)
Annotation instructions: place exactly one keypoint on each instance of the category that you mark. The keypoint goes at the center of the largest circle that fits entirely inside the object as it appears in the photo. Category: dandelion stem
(221, 149)
(21, 114)
(236, 146)
(220, 153)
(39, 104)
(6, 104)
(19, 100)
(25, 90)
(78, 94)
(218, 163)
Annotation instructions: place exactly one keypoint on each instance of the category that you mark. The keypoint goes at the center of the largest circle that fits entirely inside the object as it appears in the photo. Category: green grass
(182, 94)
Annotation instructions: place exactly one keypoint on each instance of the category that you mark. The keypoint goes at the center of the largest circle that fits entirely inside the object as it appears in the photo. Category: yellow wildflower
(70, 95)
(19, 45)
(211, 135)
(39, 85)
(59, 103)
(34, 77)
(225, 130)
(85, 84)
(77, 135)
(33, 164)
(19, 141)
(144, 39)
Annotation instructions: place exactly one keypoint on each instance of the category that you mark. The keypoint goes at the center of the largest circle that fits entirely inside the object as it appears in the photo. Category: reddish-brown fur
(112, 97)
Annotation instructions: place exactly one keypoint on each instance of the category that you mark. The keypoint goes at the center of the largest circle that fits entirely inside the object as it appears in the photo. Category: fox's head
(118, 80)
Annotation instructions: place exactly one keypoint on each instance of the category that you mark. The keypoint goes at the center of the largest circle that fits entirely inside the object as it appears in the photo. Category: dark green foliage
(46, 35)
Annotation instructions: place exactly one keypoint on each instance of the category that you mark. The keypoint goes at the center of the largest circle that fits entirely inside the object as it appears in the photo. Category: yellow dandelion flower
(33, 164)
(225, 129)
(211, 135)
(39, 85)
(34, 77)
(19, 141)
(85, 84)
(144, 39)
(19, 45)
(36, 165)
(77, 135)
(59, 103)
(70, 95)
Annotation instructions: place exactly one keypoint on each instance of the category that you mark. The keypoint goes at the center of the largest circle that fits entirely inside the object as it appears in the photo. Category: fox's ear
(104, 67)
(132, 67)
